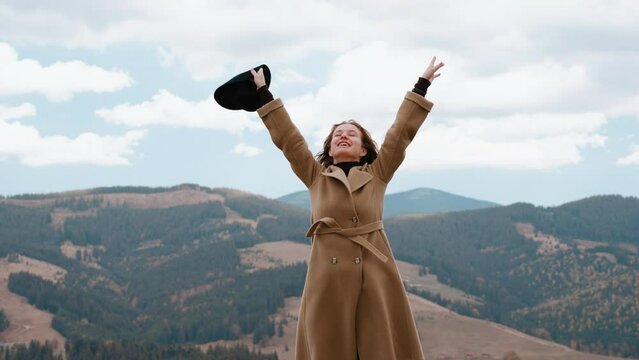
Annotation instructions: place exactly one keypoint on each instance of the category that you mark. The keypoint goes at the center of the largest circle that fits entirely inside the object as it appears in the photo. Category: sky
(538, 101)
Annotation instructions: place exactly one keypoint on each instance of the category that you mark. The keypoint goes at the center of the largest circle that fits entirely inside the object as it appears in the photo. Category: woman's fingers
(258, 77)
(429, 73)
(255, 74)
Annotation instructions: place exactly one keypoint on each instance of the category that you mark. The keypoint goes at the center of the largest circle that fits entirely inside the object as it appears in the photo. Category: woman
(354, 305)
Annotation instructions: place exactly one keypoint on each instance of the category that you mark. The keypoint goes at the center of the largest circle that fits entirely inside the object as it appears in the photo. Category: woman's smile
(347, 144)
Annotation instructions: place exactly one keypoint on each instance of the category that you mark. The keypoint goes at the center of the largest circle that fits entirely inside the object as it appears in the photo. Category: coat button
(334, 260)
(355, 219)
(357, 260)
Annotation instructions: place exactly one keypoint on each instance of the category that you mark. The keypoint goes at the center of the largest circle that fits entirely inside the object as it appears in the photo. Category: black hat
(240, 93)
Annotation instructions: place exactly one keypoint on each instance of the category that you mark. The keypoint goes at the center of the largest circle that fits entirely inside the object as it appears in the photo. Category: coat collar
(356, 177)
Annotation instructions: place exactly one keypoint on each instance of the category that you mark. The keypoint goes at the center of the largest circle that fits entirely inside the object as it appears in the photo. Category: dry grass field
(273, 254)
(70, 250)
(132, 200)
(448, 335)
(27, 322)
(548, 244)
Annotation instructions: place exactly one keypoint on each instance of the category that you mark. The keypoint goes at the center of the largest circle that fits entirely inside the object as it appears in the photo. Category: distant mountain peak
(416, 201)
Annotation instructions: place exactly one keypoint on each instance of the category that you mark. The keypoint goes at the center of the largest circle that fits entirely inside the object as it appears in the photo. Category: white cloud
(246, 150)
(528, 141)
(16, 112)
(213, 38)
(33, 149)
(59, 81)
(368, 83)
(292, 76)
(168, 109)
(209, 38)
(630, 159)
(528, 87)
(628, 106)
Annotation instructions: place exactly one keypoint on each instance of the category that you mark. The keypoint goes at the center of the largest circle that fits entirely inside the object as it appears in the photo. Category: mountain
(564, 273)
(178, 266)
(299, 198)
(416, 201)
(141, 264)
(425, 201)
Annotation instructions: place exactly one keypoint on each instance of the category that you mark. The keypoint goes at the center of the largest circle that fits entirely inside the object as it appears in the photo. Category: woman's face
(346, 144)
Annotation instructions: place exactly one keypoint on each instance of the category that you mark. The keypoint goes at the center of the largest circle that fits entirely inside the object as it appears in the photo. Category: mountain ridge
(416, 201)
(144, 265)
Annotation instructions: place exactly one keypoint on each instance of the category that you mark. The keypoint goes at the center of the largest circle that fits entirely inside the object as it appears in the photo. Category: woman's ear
(363, 152)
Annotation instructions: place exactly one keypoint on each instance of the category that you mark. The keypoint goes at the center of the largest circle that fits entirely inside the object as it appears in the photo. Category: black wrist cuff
(264, 95)
(421, 87)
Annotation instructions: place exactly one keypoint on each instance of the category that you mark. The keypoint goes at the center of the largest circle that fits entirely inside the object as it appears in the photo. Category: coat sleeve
(288, 138)
(410, 117)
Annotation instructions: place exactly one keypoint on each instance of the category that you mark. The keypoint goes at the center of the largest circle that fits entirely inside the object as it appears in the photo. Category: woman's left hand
(258, 78)
(431, 71)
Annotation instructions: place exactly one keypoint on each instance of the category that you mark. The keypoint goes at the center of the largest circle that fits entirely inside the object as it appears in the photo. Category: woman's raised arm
(409, 118)
(284, 134)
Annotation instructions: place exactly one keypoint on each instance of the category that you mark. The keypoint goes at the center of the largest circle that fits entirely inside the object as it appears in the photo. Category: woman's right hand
(258, 77)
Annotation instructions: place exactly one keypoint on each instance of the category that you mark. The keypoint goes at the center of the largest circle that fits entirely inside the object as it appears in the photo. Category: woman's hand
(430, 72)
(258, 77)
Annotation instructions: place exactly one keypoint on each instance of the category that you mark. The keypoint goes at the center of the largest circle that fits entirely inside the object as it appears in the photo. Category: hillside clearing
(27, 322)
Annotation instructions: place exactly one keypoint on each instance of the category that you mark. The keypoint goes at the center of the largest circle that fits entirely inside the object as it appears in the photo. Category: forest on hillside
(169, 275)
(82, 349)
(584, 298)
(4, 322)
(173, 275)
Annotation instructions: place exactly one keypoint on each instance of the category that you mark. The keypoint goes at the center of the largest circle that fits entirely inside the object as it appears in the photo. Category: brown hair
(367, 142)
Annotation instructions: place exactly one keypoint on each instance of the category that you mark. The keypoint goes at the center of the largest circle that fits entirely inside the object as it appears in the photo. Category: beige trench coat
(354, 304)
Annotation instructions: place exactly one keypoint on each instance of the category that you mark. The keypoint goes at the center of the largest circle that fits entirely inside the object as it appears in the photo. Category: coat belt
(328, 225)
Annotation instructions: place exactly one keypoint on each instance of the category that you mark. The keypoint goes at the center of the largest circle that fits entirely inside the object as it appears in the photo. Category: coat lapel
(356, 178)
(337, 173)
